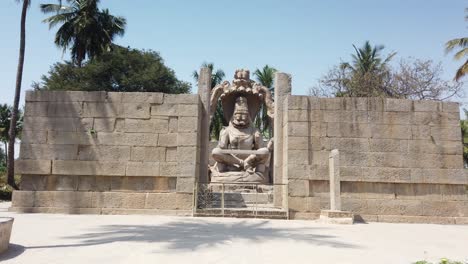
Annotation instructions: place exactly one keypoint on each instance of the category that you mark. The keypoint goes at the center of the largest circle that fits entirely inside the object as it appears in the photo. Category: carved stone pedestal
(238, 177)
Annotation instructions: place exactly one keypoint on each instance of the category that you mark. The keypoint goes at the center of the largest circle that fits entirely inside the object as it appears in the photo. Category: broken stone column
(204, 90)
(335, 215)
(282, 86)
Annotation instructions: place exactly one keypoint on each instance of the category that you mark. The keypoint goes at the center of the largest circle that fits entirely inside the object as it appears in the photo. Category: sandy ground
(64, 239)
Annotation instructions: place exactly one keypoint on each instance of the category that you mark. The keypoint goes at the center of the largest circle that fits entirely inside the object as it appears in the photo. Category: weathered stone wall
(400, 160)
(98, 152)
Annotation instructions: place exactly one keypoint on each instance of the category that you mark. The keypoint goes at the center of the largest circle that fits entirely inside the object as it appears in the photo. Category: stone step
(235, 205)
(243, 213)
(243, 188)
(259, 198)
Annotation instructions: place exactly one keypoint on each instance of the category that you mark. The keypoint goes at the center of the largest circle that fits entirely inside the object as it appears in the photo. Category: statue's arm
(223, 139)
(258, 141)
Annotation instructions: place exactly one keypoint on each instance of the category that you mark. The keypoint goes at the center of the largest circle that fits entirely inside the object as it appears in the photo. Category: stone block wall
(400, 160)
(98, 152)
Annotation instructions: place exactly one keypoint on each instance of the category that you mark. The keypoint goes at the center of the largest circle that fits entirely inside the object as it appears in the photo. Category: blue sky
(303, 38)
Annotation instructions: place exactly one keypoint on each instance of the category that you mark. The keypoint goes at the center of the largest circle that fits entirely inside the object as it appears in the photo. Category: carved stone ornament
(241, 154)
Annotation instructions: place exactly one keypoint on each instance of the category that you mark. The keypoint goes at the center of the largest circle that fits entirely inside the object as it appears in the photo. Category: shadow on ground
(192, 235)
(13, 251)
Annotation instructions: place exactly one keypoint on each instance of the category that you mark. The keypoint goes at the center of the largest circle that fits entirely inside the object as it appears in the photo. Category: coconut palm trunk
(14, 114)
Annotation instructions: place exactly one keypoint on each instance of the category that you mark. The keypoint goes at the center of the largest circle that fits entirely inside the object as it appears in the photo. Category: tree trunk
(14, 114)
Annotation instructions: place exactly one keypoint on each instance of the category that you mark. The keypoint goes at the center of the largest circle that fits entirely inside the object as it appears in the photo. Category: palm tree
(218, 118)
(368, 71)
(19, 79)
(461, 43)
(266, 78)
(85, 29)
(368, 59)
(216, 77)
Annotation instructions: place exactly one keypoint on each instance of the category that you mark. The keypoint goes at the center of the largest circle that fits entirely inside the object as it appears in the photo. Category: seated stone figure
(241, 155)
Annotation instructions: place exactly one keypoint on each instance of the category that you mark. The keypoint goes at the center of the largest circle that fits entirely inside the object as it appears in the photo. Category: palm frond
(455, 43)
(461, 54)
(28, 2)
(54, 8)
(265, 76)
(389, 58)
(462, 71)
(195, 75)
(58, 19)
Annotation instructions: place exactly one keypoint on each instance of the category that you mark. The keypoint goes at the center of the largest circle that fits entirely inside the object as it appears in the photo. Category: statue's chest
(241, 140)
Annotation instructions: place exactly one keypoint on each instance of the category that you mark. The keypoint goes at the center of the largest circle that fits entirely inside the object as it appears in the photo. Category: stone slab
(66, 167)
(42, 167)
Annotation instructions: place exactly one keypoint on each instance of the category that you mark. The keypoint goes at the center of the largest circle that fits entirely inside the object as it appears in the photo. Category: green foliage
(367, 73)
(218, 121)
(442, 261)
(368, 59)
(464, 128)
(84, 28)
(216, 76)
(2, 161)
(265, 77)
(370, 75)
(462, 45)
(5, 189)
(119, 70)
(5, 116)
(5, 192)
(5, 119)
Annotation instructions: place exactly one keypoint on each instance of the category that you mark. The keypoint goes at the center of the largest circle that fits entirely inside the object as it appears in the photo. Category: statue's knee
(216, 151)
(263, 152)
(217, 155)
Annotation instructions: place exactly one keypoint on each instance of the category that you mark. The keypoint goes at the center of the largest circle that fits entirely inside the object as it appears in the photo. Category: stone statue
(241, 154)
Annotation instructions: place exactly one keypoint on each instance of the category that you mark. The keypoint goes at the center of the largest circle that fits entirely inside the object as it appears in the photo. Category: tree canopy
(84, 28)
(461, 44)
(218, 121)
(265, 77)
(371, 75)
(2, 160)
(119, 70)
(5, 122)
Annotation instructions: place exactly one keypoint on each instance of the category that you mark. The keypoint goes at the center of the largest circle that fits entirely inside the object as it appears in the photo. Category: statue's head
(242, 78)
(241, 115)
(242, 74)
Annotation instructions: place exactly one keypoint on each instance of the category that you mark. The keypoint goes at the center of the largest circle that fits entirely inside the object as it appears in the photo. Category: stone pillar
(335, 189)
(282, 86)
(204, 91)
(335, 215)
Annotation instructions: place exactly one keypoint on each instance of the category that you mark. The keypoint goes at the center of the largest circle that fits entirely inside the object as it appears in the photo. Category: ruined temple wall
(400, 160)
(98, 152)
